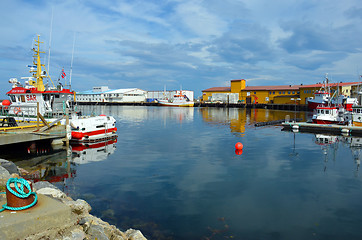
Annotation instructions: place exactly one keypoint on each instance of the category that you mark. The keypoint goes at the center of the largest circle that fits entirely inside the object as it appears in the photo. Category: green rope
(20, 193)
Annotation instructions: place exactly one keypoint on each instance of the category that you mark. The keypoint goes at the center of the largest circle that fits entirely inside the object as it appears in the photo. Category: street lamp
(295, 107)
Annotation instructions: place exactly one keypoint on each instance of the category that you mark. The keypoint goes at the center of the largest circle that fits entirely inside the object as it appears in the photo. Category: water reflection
(56, 163)
(330, 143)
(92, 152)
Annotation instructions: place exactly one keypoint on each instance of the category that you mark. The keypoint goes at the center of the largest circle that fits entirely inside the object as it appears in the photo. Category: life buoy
(17, 110)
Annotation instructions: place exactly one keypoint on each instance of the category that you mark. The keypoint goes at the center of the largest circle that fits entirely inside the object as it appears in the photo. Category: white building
(104, 94)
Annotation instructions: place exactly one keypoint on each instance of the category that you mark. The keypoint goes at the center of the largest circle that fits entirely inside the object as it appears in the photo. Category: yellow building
(283, 94)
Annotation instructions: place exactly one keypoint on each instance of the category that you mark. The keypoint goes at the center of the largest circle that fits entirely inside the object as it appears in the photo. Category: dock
(30, 132)
(322, 128)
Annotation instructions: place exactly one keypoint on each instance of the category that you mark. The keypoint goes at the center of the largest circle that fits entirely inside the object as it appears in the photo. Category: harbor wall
(55, 216)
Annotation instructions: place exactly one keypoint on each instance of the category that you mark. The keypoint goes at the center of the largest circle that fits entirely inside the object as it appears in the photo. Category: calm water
(173, 174)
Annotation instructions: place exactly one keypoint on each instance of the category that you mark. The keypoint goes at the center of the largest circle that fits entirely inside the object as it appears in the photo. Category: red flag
(63, 74)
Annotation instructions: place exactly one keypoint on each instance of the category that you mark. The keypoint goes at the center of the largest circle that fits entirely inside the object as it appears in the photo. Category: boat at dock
(325, 97)
(178, 100)
(90, 129)
(331, 115)
(33, 101)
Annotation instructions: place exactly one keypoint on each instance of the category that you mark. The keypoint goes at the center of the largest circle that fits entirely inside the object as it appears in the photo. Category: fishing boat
(331, 115)
(91, 129)
(357, 115)
(33, 100)
(323, 97)
(33, 97)
(178, 100)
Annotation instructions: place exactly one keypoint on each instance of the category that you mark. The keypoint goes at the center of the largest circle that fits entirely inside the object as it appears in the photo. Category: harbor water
(173, 173)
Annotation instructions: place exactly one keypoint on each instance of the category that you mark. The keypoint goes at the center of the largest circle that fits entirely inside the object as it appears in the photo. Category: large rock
(133, 234)
(4, 176)
(55, 193)
(79, 207)
(10, 166)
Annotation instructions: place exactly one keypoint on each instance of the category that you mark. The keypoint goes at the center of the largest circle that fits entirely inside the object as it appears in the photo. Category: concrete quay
(55, 216)
(322, 128)
(27, 132)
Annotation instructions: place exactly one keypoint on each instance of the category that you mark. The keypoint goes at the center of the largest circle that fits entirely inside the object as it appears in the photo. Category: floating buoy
(238, 151)
(239, 145)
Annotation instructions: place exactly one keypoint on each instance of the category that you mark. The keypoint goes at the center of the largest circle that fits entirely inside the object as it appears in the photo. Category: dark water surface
(173, 174)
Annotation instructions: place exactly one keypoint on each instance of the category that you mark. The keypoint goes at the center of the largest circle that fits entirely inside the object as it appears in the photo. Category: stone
(4, 173)
(43, 184)
(10, 166)
(79, 207)
(133, 234)
(97, 232)
(55, 193)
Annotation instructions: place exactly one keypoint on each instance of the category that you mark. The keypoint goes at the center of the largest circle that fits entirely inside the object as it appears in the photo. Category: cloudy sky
(188, 44)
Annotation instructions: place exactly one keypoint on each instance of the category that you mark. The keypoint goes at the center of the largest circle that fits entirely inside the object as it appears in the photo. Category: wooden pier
(322, 128)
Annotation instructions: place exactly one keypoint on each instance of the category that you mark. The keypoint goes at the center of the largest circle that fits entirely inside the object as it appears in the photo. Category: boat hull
(165, 104)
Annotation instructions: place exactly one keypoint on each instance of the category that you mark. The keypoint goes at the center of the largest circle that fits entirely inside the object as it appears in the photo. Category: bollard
(20, 197)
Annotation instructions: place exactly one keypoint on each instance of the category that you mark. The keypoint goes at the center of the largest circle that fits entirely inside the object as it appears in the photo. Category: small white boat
(91, 129)
(331, 115)
(357, 115)
(178, 100)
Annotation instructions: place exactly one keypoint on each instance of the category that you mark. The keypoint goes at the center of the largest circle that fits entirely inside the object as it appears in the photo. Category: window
(288, 92)
(327, 111)
(322, 111)
(280, 92)
(293, 92)
(273, 92)
(254, 92)
(283, 92)
(270, 93)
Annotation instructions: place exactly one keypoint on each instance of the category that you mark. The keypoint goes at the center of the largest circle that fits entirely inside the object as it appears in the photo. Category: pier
(29, 132)
(322, 128)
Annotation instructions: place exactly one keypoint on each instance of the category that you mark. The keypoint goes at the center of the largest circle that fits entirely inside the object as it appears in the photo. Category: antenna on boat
(71, 65)
(50, 42)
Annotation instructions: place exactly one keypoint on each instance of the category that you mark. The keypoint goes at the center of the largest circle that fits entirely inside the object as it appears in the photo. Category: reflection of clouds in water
(141, 113)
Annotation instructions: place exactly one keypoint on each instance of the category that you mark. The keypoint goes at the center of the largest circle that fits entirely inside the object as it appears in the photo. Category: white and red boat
(323, 97)
(90, 129)
(178, 100)
(52, 103)
(331, 115)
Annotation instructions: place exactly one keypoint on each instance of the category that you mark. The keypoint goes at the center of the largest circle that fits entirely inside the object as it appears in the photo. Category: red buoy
(239, 145)
(6, 103)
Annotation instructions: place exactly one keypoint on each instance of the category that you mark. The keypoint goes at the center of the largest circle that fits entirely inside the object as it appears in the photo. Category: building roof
(271, 88)
(218, 89)
(341, 84)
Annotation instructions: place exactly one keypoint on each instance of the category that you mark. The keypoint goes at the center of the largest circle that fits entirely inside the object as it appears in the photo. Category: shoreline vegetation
(81, 225)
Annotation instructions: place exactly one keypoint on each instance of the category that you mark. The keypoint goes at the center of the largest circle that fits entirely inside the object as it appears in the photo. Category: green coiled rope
(20, 193)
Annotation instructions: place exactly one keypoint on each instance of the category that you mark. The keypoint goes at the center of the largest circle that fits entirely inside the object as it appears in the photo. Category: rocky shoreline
(82, 225)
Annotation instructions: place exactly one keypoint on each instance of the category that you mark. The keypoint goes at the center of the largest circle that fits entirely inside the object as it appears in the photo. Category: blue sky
(188, 44)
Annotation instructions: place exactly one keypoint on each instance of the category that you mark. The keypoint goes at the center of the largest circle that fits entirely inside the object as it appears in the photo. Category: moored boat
(90, 129)
(33, 99)
(178, 100)
(331, 115)
(357, 115)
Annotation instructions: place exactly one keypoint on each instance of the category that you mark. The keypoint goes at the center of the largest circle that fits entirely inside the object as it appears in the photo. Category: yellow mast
(38, 72)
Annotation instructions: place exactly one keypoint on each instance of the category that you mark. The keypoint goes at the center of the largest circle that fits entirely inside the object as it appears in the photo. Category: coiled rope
(20, 193)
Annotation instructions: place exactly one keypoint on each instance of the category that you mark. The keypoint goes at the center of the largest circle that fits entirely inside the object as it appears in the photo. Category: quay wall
(73, 220)
(291, 107)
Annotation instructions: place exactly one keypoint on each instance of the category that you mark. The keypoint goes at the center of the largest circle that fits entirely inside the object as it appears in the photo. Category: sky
(183, 44)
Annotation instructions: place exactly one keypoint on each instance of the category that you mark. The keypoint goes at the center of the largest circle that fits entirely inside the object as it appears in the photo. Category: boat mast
(38, 72)
(50, 42)
(71, 65)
